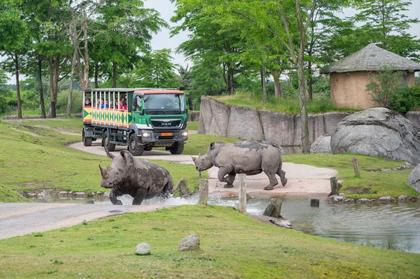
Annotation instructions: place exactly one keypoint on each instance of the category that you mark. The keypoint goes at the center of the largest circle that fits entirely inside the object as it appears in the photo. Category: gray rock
(378, 132)
(79, 195)
(403, 198)
(336, 198)
(349, 201)
(63, 195)
(191, 242)
(143, 249)
(414, 178)
(363, 200)
(281, 223)
(321, 145)
(386, 199)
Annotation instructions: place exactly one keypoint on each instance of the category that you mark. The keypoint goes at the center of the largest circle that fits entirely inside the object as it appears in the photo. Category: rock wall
(217, 118)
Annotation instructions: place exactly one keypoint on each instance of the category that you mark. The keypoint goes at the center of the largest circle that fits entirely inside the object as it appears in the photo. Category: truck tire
(134, 146)
(87, 141)
(109, 146)
(177, 148)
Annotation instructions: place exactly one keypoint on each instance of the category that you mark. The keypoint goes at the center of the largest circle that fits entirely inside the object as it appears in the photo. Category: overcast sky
(167, 8)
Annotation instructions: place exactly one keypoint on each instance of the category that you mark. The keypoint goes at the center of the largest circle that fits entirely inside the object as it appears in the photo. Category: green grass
(36, 158)
(289, 105)
(193, 125)
(233, 245)
(73, 125)
(380, 183)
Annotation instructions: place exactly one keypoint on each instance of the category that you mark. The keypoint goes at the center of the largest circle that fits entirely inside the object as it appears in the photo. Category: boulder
(414, 178)
(191, 242)
(378, 132)
(143, 249)
(321, 145)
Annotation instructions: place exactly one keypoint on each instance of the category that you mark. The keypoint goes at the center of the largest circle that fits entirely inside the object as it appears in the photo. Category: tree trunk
(54, 69)
(18, 100)
(84, 79)
(263, 84)
(310, 80)
(40, 88)
(230, 81)
(277, 84)
(70, 95)
(96, 70)
(302, 82)
(114, 75)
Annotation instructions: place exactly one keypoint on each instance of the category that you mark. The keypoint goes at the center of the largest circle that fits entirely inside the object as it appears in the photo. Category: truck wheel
(148, 148)
(177, 148)
(109, 146)
(134, 147)
(87, 141)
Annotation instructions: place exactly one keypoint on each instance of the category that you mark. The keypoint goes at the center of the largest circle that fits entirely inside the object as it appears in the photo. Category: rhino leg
(273, 181)
(113, 197)
(282, 175)
(223, 171)
(139, 196)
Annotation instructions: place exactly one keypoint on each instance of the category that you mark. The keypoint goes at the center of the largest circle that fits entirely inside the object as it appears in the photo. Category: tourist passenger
(88, 102)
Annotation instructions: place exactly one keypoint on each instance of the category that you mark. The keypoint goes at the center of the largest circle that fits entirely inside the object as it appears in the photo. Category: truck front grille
(165, 123)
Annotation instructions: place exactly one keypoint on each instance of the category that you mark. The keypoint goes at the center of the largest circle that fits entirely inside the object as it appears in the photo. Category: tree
(209, 41)
(52, 17)
(386, 24)
(157, 70)
(122, 30)
(13, 40)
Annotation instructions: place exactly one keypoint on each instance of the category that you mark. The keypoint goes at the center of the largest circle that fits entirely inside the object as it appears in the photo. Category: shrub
(384, 85)
(405, 99)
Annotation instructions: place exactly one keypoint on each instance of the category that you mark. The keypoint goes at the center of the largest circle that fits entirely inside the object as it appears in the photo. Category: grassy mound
(33, 158)
(232, 246)
(287, 105)
(379, 177)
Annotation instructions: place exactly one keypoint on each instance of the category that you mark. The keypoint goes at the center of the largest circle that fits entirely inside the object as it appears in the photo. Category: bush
(3, 104)
(405, 99)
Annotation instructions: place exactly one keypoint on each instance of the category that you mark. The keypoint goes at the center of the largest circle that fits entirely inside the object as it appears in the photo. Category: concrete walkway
(24, 218)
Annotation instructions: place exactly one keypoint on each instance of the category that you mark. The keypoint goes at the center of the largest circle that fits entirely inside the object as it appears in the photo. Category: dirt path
(24, 218)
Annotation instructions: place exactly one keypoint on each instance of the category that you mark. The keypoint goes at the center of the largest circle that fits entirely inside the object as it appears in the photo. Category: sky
(166, 8)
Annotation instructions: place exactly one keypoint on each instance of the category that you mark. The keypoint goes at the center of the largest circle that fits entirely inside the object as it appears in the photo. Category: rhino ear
(193, 158)
(129, 159)
(103, 172)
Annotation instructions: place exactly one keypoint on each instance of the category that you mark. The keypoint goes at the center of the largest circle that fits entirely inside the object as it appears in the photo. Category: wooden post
(242, 193)
(335, 186)
(203, 192)
(356, 167)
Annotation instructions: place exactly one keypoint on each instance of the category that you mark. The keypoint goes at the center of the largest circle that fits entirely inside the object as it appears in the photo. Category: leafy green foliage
(383, 85)
(405, 99)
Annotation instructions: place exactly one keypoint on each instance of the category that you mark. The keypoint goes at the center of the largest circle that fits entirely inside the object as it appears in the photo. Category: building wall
(348, 90)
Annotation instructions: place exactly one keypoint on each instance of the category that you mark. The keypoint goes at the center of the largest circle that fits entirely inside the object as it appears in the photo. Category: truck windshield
(164, 103)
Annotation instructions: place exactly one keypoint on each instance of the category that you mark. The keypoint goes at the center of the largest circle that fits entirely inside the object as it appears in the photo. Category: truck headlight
(145, 134)
(184, 134)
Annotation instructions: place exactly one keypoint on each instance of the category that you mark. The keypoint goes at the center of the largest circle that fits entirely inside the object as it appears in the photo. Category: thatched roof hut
(350, 76)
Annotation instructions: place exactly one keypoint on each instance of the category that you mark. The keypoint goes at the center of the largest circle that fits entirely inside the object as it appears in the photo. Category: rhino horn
(109, 153)
(103, 172)
(128, 158)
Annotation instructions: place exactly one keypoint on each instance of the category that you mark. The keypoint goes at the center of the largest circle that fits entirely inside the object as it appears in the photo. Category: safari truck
(138, 118)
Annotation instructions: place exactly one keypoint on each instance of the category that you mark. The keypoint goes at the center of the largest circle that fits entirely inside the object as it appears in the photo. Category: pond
(390, 226)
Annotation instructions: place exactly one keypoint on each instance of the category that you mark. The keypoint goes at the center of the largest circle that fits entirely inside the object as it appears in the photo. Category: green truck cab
(140, 119)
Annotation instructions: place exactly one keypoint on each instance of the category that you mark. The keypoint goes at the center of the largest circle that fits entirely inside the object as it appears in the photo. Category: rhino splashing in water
(248, 157)
(138, 178)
